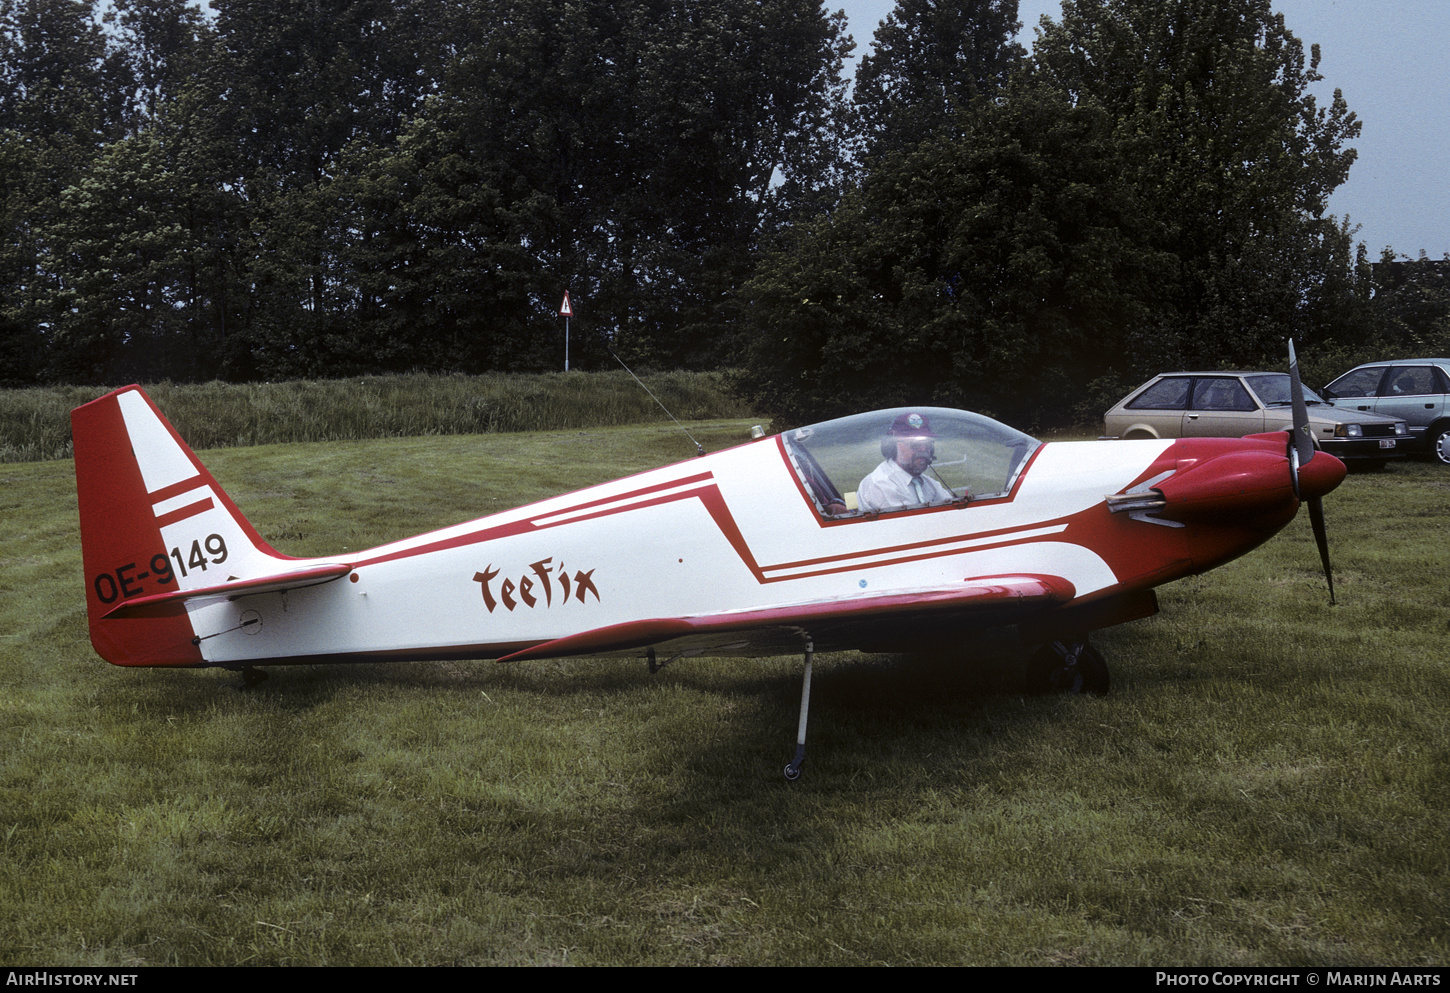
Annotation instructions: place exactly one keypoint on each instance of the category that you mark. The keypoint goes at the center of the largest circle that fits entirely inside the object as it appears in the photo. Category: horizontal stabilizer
(167, 604)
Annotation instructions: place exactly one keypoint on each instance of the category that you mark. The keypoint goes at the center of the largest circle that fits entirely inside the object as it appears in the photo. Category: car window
(1166, 394)
(1220, 393)
(1359, 383)
(1272, 388)
(1411, 381)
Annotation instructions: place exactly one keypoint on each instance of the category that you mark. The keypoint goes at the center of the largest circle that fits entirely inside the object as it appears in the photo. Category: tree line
(327, 187)
(273, 189)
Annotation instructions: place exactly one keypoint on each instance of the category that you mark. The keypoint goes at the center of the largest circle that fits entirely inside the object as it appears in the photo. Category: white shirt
(889, 487)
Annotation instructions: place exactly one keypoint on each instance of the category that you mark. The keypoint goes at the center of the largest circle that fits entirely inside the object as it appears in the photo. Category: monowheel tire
(1047, 674)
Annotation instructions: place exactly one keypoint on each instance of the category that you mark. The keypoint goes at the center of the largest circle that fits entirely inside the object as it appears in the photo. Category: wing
(894, 621)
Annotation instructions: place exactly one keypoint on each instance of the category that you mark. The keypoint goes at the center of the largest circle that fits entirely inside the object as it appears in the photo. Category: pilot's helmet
(908, 425)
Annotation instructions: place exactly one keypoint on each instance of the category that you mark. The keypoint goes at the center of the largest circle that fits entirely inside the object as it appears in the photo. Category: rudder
(153, 521)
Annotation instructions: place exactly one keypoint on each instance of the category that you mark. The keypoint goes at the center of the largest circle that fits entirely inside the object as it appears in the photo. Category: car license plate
(1387, 443)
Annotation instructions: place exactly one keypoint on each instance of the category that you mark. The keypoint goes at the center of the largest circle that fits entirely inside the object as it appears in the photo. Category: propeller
(1301, 453)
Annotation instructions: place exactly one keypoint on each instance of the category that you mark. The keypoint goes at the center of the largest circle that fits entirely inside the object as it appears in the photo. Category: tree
(929, 58)
(657, 141)
(1412, 303)
(165, 43)
(144, 251)
(22, 346)
(313, 77)
(59, 76)
(348, 184)
(305, 85)
(435, 244)
(1231, 155)
(62, 90)
(109, 248)
(999, 270)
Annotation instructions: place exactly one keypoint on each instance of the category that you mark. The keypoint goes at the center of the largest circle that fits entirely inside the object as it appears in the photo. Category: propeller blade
(1303, 439)
(1301, 451)
(1316, 518)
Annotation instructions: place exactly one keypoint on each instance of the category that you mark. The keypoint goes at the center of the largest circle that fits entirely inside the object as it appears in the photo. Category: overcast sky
(1392, 60)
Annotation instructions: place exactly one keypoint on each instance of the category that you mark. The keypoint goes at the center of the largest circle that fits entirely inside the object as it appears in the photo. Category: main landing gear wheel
(1067, 668)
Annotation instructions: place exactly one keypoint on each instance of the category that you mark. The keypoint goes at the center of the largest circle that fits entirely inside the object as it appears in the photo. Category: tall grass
(35, 423)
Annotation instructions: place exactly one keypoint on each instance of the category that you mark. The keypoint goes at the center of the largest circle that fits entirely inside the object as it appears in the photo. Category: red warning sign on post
(564, 309)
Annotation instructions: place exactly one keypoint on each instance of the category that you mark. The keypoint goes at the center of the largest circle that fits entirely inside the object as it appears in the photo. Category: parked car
(1416, 390)
(1234, 404)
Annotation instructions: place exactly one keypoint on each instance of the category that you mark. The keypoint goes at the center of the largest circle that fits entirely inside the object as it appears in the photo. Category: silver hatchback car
(1234, 404)
(1417, 390)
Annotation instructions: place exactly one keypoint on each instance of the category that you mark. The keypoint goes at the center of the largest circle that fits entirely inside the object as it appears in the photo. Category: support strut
(793, 770)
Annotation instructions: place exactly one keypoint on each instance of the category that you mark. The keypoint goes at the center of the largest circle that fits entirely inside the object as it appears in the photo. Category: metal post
(566, 311)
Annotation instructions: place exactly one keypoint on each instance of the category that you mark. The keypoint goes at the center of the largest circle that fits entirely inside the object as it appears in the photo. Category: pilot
(910, 448)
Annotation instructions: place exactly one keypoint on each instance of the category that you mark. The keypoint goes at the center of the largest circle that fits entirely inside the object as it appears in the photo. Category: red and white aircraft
(760, 549)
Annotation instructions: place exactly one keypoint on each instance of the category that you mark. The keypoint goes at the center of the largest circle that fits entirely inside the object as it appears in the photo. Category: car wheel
(1440, 444)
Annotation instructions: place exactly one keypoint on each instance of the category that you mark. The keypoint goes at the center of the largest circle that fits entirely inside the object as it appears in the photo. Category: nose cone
(1322, 474)
(1238, 485)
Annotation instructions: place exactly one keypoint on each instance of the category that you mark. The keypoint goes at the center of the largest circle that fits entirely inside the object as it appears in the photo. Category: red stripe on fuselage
(1007, 536)
(641, 499)
(713, 501)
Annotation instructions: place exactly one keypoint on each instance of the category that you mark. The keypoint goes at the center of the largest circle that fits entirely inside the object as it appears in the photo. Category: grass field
(1266, 784)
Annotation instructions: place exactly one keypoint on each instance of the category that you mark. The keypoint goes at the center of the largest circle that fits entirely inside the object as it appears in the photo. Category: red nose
(1229, 478)
(1232, 484)
(1323, 473)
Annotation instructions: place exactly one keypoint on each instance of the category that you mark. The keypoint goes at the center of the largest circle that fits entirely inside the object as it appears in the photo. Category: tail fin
(154, 525)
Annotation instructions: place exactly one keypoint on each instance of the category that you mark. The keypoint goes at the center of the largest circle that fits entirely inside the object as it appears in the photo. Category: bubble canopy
(972, 457)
